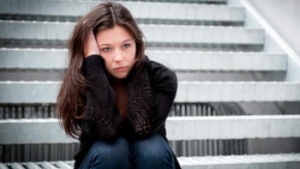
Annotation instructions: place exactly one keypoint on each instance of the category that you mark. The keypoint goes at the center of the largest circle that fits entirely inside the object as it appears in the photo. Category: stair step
(55, 59)
(3, 166)
(16, 166)
(140, 10)
(265, 161)
(220, 61)
(157, 34)
(18, 92)
(233, 127)
(237, 91)
(257, 161)
(178, 128)
(32, 165)
(184, 1)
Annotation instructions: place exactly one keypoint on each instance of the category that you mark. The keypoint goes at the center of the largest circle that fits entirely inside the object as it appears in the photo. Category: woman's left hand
(90, 46)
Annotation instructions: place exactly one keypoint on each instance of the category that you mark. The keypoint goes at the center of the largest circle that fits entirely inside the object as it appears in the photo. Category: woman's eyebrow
(103, 45)
(127, 40)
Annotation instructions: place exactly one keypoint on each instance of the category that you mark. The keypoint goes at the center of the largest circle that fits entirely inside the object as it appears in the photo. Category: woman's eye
(127, 45)
(105, 50)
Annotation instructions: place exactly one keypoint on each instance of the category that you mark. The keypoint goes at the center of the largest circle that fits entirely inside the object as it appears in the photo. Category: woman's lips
(120, 69)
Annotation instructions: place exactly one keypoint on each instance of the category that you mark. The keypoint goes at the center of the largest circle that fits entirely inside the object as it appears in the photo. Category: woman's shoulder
(160, 73)
(157, 67)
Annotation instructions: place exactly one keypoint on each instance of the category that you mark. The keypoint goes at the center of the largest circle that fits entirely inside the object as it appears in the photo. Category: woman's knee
(110, 148)
(109, 154)
(153, 151)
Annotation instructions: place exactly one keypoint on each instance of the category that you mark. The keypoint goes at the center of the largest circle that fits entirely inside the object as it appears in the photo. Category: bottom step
(269, 161)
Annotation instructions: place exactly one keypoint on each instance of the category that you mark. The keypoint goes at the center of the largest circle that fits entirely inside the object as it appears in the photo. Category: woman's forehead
(115, 35)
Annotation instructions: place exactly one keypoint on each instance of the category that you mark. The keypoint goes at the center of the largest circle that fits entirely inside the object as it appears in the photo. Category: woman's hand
(90, 46)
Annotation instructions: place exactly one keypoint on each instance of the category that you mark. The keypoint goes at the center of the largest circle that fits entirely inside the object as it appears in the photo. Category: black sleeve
(100, 116)
(151, 96)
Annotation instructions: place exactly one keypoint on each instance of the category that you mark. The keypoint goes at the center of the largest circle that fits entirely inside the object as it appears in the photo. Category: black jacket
(151, 91)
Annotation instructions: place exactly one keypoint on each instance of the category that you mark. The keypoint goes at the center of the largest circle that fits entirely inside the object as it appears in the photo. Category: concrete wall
(284, 17)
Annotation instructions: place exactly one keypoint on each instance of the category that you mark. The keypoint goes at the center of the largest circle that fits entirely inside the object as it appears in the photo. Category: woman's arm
(100, 116)
(152, 94)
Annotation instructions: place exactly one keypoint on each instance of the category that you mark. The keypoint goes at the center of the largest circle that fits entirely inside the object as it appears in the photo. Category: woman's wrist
(87, 55)
(90, 46)
(92, 54)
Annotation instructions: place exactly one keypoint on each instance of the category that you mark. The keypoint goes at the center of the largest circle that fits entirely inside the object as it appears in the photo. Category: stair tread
(176, 60)
(140, 10)
(187, 162)
(55, 31)
(34, 91)
(178, 128)
(237, 159)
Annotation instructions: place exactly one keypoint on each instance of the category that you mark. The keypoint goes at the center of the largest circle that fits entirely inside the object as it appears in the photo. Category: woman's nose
(118, 55)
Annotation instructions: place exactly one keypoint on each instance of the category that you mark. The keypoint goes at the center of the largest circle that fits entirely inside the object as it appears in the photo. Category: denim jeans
(150, 153)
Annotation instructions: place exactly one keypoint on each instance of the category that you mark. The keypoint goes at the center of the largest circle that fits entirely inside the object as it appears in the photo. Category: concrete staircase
(227, 61)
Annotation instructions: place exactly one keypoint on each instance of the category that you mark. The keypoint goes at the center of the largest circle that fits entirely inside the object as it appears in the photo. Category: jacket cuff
(93, 60)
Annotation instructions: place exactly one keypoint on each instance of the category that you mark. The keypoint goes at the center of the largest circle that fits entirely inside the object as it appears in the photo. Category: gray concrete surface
(283, 16)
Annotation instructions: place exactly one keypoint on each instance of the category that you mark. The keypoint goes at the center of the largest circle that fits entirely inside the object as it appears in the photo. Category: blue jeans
(150, 153)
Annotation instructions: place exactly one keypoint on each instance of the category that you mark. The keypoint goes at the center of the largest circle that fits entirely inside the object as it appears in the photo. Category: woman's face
(118, 49)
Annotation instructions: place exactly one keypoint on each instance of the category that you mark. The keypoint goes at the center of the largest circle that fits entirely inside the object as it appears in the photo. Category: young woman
(113, 97)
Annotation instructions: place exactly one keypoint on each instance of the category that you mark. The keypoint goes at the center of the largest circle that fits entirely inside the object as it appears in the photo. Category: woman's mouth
(120, 69)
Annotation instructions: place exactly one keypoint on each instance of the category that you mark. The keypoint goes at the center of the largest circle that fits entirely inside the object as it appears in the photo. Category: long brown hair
(72, 95)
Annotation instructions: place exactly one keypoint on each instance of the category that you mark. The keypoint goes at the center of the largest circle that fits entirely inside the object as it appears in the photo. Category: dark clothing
(151, 91)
